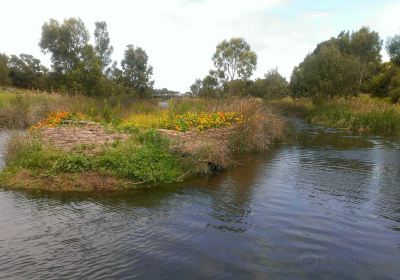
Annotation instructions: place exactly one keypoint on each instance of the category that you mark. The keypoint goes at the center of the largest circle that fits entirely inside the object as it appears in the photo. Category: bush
(72, 163)
(28, 152)
(394, 95)
(146, 164)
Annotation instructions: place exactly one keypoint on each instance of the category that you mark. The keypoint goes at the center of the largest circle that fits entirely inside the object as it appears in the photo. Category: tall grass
(360, 114)
(21, 109)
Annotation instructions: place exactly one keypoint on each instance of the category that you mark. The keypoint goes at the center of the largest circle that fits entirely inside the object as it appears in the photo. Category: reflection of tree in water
(233, 192)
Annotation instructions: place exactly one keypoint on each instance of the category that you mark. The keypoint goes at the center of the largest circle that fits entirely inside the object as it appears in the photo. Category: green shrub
(152, 137)
(395, 95)
(72, 163)
(28, 152)
(147, 163)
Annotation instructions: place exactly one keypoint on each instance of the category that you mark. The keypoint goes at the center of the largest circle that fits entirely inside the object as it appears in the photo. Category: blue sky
(180, 35)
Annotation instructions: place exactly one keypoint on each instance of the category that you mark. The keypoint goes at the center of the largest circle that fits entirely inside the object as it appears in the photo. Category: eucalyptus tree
(326, 74)
(103, 47)
(136, 72)
(65, 42)
(393, 49)
(234, 59)
(4, 70)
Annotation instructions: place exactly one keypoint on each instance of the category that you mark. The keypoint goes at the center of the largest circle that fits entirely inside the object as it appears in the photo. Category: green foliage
(274, 85)
(394, 95)
(80, 68)
(374, 118)
(66, 162)
(237, 88)
(27, 72)
(234, 59)
(28, 153)
(380, 84)
(393, 49)
(4, 71)
(196, 87)
(87, 77)
(102, 43)
(394, 92)
(148, 162)
(210, 87)
(364, 45)
(136, 73)
(144, 158)
(65, 42)
(326, 74)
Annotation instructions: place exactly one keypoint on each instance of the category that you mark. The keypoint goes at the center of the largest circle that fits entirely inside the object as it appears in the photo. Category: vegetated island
(73, 151)
(93, 124)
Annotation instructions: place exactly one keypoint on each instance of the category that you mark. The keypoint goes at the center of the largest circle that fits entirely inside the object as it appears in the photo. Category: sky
(180, 36)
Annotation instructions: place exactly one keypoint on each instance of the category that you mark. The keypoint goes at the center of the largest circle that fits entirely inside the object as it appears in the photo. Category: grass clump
(145, 158)
(144, 164)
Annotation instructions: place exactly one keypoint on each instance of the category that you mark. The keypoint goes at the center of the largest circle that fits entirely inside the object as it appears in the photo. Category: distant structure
(166, 94)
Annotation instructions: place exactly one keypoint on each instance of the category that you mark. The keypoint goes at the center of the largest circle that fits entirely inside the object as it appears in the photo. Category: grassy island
(92, 145)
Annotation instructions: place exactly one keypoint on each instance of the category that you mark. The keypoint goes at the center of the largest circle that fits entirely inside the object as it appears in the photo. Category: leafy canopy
(234, 59)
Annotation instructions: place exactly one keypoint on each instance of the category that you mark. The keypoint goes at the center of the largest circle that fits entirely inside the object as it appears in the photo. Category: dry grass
(259, 130)
(216, 147)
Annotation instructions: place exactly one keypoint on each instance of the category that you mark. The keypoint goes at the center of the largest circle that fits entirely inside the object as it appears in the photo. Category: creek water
(327, 208)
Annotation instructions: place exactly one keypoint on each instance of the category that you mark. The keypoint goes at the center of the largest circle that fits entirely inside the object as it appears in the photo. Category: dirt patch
(84, 181)
(88, 137)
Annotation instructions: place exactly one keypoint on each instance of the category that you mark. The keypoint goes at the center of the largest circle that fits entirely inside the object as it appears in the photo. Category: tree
(328, 73)
(274, 85)
(87, 77)
(27, 72)
(196, 87)
(135, 70)
(379, 85)
(238, 87)
(366, 45)
(66, 43)
(363, 44)
(4, 70)
(210, 86)
(234, 59)
(102, 44)
(394, 90)
(393, 49)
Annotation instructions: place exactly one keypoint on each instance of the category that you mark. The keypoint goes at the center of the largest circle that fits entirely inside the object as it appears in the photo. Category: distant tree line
(78, 66)
(341, 66)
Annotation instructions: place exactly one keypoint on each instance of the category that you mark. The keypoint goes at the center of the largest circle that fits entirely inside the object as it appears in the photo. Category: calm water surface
(328, 208)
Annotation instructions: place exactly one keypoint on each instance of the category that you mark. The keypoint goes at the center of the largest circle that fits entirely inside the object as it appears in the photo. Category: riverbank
(74, 151)
(362, 114)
